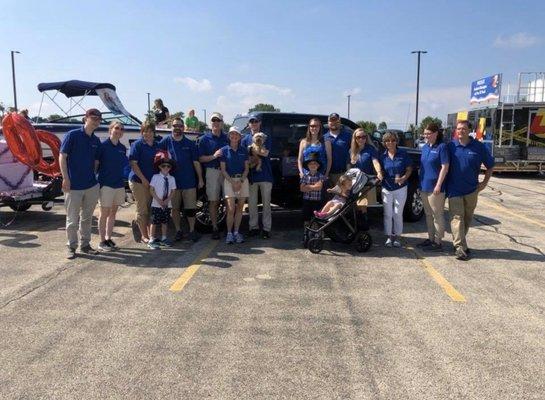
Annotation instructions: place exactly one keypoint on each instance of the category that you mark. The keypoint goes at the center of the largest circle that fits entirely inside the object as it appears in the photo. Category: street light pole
(149, 104)
(348, 106)
(13, 76)
(204, 109)
(417, 83)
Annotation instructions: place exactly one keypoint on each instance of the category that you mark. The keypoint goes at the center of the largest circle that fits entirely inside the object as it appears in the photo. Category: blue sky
(301, 56)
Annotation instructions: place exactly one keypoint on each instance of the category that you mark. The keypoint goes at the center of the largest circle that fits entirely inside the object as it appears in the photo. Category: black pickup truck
(287, 130)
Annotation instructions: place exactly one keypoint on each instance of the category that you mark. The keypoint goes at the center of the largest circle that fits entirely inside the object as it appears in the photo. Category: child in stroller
(342, 191)
(339, 221)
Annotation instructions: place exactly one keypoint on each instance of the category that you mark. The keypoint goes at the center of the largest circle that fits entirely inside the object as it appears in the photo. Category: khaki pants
(265, 188)
(434, 207)
(461, 210)
(142, 197)
(80, 205)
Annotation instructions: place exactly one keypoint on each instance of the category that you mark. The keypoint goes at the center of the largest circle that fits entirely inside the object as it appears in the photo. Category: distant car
(287, 130)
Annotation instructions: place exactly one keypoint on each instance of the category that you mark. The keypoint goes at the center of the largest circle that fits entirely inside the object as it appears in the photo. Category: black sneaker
(215, 234)
(179, 236)
(111, 243)
(265, 234)
(105, 246)
(425, 243)
(89, 250)
(70, 253)
(434, 247)
(253, 233)
(194, 236)
(461, 255)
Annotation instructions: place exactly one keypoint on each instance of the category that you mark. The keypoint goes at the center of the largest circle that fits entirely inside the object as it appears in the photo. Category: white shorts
(110, 197)
(214, 179)
(230, 193)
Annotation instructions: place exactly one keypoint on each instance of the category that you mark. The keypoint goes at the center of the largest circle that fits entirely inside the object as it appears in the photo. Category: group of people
(163, 119)
(165, 176)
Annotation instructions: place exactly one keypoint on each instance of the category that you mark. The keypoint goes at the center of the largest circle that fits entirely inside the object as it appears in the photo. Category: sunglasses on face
(254, 121)
(165, 166)
(361, 137)
(216, 120)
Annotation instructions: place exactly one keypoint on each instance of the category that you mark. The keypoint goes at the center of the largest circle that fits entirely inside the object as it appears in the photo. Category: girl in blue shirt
(396, 169)
(314, 142)
(434, 165)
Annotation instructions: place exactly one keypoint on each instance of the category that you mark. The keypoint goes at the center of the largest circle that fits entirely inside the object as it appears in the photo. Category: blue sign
(486, 89)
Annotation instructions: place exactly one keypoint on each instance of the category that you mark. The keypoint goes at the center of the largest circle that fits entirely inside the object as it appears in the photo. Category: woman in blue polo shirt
(234, 168)
(396, 169)
(141, 157)
(314, 142)
(364, 156)
(434, 165)
(112, 160)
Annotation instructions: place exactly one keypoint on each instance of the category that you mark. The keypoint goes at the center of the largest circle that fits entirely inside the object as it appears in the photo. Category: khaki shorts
(185, 197)
(242, 194)
(214, 180)
(110, 197)
(142, 197)
(369, 199)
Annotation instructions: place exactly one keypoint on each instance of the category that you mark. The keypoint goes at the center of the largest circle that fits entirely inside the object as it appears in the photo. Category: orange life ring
(49, 168)
(22, 139)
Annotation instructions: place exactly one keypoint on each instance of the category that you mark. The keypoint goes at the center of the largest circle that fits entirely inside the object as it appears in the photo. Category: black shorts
(160, 215)
(309, 206)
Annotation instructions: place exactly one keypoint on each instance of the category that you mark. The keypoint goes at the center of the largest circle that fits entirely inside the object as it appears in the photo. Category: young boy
(311, 187)
(162, 186)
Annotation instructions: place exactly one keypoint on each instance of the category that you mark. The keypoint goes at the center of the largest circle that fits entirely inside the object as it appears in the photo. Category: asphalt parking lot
(268, 319)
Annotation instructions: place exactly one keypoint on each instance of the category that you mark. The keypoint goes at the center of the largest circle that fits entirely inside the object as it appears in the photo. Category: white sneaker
(388, 243)
(397, 243)
(229, 239)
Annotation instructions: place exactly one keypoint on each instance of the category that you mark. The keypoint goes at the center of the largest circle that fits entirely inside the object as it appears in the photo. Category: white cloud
(253, 89)
(518, 40)
(352, 92)
(194, 85)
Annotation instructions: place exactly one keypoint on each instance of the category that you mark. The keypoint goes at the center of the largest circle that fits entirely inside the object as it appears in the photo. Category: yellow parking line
(180, 283)
(518, 215)
(438, 278)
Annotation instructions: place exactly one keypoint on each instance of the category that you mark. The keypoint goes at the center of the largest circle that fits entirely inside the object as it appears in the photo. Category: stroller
(342, 226)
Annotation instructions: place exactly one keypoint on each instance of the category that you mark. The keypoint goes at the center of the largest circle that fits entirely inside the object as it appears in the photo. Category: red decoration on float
(49, 168)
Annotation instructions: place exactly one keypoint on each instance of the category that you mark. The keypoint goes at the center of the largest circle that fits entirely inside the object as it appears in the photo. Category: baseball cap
(216, 115)
(93, 112)
(333, 116)
(254, 118)
(234, 129)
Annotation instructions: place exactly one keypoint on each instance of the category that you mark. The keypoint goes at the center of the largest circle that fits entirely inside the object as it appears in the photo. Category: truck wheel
(203, 223)
(414, 208)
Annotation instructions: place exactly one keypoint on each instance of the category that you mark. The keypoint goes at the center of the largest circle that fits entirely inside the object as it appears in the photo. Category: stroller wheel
(315, 245)
(363, 242)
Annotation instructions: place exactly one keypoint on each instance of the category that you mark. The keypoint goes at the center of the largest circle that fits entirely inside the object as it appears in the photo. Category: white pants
(394, 202)
(265, 188)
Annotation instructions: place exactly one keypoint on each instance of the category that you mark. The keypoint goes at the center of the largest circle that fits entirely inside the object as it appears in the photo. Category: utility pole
(417, 83)
(149, 104)
(348, 106)
(13, 76)
(204, 109)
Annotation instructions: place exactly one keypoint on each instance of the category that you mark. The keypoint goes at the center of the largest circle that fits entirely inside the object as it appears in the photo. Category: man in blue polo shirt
(188, 175)
(340, 140)
(463, 186)
(78, 162)
(210, 145)
(259, 181)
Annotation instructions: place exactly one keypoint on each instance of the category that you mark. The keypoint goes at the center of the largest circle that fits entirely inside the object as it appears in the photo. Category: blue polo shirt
(392, 167)
(340, 147)
(234, 159)
(265, 175)
(184, 152)
(431, 161)
(82, 151)
(465, 165)
(208, 144)
(112, 160)
(143, 154)
(365, 159)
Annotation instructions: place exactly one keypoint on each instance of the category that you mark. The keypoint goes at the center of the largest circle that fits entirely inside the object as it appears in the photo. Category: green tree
(178, 114)
(426, 121)
(263, 107)
(54, 117)
(368, 126)
(382, 125)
